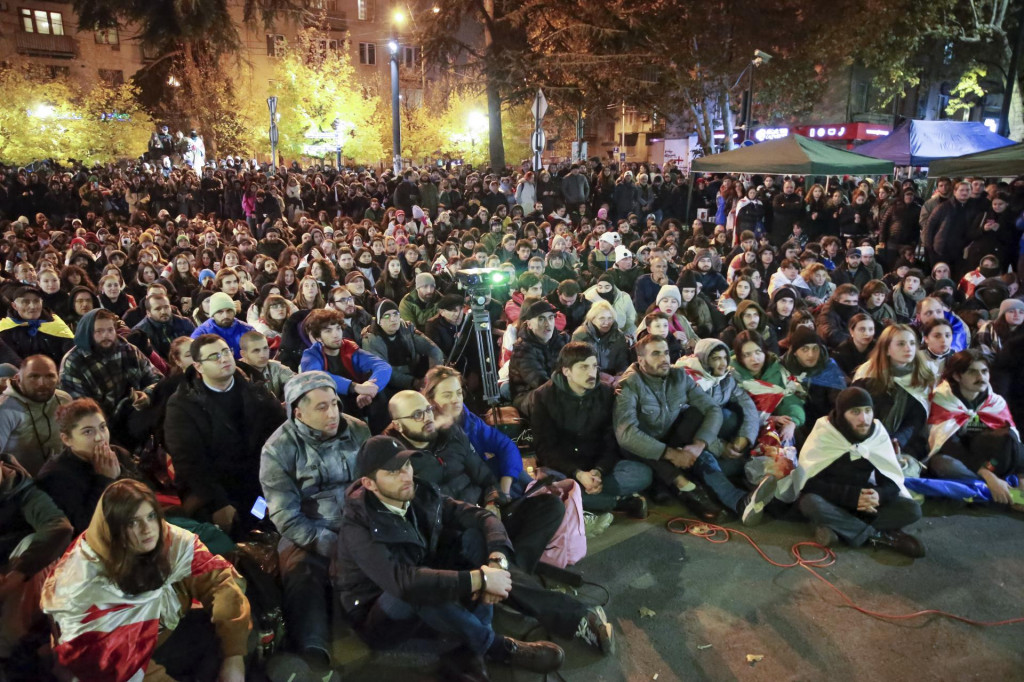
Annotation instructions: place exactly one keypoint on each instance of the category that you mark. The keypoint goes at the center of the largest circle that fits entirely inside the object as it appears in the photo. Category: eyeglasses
(347, 299)
(223, 355)
(419, 415)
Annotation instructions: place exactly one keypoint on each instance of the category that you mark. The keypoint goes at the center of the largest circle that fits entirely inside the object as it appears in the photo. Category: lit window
(107, 36)
(41, 21)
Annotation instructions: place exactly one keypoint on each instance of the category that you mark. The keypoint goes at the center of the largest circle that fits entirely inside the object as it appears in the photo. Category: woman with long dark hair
(121, 598)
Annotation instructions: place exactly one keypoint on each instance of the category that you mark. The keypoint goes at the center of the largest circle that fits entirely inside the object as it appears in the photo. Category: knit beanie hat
(688, 280)
(220, 301)
(669, 291)
(803, 336)
(301, 384)
(852, 397)
(385, 306)
(1010, 304)
(425, 279)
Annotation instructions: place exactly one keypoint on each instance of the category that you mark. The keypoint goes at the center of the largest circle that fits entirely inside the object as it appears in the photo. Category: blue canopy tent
(918, 143)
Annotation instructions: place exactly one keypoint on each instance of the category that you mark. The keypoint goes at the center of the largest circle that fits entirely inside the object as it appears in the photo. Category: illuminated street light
(435, 9)
(43, 111)
(398, 17)
(173, 82)
(478, 122)
(393, 47)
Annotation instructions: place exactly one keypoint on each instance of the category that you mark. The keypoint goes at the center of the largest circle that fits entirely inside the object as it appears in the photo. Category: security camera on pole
(540, 107)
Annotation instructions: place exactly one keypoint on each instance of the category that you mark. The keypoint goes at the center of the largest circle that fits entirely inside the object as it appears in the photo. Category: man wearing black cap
(402, 346)
(30, 329)
(534, 355)
(850, 483)
(408, 556)
(852, 271)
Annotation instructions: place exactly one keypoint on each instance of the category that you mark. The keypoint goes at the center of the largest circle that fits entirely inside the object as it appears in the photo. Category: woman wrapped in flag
(122, 596)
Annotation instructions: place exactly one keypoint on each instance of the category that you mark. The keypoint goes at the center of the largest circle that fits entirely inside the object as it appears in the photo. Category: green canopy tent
(1004, 162)
(791, 155)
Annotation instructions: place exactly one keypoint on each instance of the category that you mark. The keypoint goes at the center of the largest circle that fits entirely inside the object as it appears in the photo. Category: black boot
(900, 542)
(700, 503)
(635, 506)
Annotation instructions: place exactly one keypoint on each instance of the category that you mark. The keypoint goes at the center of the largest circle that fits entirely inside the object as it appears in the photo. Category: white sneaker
(596, 524)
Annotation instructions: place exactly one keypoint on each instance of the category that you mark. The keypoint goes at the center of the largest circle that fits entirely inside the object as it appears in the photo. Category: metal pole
(396, 129)
(748, 129)
(622, 136)
(272, 106)
(1011, 78)
(537, 151)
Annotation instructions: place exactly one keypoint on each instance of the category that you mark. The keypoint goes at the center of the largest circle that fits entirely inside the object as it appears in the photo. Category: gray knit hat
(301, 384)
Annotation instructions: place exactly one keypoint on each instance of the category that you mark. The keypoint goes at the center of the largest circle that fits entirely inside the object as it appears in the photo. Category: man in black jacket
(216, 424)
(408, 555)
(534, 354)
(572, 427)
(850, 482)
(787, 209)
(566, 299)
(30, 329)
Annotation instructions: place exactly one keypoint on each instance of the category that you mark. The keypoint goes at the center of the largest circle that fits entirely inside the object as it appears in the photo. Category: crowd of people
(201, 359)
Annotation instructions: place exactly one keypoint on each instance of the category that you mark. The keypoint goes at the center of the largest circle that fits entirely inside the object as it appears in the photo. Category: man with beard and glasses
(111, 371)
(849, 482)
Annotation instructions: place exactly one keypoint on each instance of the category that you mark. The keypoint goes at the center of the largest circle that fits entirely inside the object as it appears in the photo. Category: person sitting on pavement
(534, 354)
(572, 428)
(28, 412)
(161, 326)
(444, 388)
(832, 320)
(849, 482)
(256, 363)
(33, 534)
(358, 375)
(395, 341)
(76, 477)
(600, 331)
(932, 307)
(420, 304)
(111, 371)
(808, 360)
(30, 329)
(776, 393)
(215, 426)
(405, 553)
(121, 598)
(570, 306)
(305, 467)
(222, 322)
(971, 432)
(662, 416)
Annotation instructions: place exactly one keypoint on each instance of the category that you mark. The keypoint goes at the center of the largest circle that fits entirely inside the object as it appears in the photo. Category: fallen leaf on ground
(754, 658)
(646, 612)
(702, 647)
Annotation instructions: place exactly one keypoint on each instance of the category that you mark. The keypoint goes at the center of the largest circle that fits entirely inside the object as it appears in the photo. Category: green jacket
(414, 310)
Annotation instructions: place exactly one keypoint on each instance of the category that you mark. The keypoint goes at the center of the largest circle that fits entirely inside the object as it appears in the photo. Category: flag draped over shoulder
(949, 414)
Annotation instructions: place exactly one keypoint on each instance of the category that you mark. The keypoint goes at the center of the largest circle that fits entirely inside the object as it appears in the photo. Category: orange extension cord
(720, 534)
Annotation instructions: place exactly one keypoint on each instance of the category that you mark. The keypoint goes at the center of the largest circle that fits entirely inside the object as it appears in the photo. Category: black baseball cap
(27, 290)
(381, 452)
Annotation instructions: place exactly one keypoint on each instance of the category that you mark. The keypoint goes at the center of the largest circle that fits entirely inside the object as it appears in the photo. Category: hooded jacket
(764, 327)
(625, 313)
(646, 407)
(361, 365)
(532, 362)
(574, 432)
(724, 391)
(162, 334)
(304, 476)
(451, 463)
(107, 634)
(109, 379)
(26, 510)
(380, 551)
(823, 382)
(28, 430)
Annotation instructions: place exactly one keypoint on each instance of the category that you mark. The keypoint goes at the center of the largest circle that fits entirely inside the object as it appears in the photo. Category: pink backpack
(569, 544)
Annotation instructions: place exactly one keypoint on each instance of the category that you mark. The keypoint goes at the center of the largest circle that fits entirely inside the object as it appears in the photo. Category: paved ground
(714, 604)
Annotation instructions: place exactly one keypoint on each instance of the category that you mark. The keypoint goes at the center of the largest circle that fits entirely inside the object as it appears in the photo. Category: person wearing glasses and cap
(404, 552)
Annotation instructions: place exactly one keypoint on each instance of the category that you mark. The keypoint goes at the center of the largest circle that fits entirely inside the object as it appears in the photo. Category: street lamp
(478, 123)
(272, 105)
(396, 130)
(760, 57)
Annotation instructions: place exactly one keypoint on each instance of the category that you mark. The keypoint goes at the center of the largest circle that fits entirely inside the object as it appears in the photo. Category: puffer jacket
(646, 407)
(304, 477)
(612, 348)
(532, 362)
(416, 344)
(28, 430)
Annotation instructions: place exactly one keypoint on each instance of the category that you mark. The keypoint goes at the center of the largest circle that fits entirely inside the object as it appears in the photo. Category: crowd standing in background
(214, 371)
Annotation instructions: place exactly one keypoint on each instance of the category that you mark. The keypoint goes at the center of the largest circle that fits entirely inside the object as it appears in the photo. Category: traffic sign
(540, 105)
(538, 140)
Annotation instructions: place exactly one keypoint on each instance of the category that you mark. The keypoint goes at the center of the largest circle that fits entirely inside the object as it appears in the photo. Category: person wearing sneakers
(666, 420)
(849, 482)
(403, 559)
(572, 429)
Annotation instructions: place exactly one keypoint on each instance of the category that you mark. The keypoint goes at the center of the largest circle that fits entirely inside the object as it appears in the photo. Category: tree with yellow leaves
(320, 100)
(44, 119)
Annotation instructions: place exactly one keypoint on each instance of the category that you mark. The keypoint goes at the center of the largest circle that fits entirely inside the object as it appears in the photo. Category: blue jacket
(485, 438)
(231, 335)
(364, 363)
